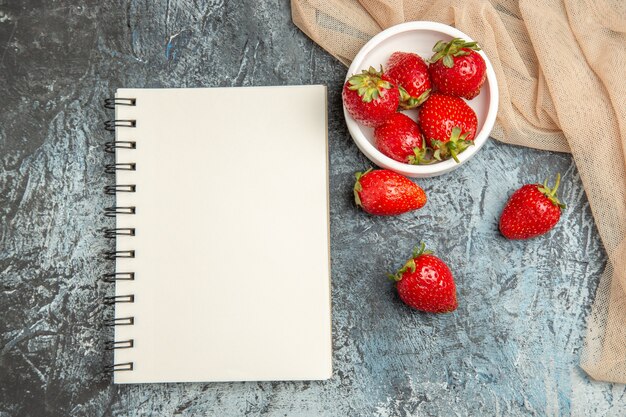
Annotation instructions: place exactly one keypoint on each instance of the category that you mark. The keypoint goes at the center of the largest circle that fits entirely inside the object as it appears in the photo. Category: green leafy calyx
(410, 264)
(369, 84)
(421, 250)
(358, 187)
(453, 147)
(551, 192)
(419, 155)
(407, 101)
(455, 48)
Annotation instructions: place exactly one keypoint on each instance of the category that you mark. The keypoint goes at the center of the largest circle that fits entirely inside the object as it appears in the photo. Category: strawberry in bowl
(400, 138)
(405, 50)
(449, 125)
(410, 73)
(370, 97)
(457, 69)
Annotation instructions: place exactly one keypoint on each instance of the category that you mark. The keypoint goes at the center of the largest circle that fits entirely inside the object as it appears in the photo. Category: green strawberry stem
(410, 264)
(421, 250)
(551, 192)
(369, 84)
(408, 102)
(452, 147)
(456, 47)
(358, 187)
(419, 155)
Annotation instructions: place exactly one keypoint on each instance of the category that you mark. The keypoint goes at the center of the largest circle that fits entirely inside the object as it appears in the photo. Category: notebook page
(231, 248)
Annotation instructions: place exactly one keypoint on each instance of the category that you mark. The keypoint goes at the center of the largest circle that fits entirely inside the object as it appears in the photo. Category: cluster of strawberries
(446, 124)
(425, 282)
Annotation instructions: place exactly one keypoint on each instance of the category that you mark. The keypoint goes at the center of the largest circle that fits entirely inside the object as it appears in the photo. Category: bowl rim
(437, 168)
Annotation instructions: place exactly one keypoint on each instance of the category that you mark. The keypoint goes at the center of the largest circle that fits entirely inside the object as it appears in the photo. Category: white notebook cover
(231, 264)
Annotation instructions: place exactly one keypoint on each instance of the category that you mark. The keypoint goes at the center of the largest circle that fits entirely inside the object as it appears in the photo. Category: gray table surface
(511, 349)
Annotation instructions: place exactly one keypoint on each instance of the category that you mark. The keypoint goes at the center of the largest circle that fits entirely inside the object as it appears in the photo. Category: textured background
(511, 349)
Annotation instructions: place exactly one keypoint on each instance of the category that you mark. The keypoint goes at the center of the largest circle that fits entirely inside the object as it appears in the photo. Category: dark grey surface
(511, 349)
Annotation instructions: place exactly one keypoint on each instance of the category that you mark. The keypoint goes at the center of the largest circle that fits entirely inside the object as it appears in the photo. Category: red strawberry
(531, 211)
(425, 283)
(370, 97)
(410, 73)
(457, 69)
(385, 193)
(448, 124)
(400, 138)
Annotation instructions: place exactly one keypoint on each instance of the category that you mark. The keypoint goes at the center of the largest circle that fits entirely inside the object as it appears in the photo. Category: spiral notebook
(222, 235)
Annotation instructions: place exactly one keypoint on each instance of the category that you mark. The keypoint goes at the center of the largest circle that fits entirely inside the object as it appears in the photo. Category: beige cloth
(561, 68)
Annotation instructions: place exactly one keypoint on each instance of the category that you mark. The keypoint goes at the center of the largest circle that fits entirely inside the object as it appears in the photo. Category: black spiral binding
(112, 233)
(118, 276)
(115, 210)
(111, 168)
(119, 188)
(119, 344)
(110, 103)
(114, 299)
(115, 254)
(110, 147)
(121, 231)
(120, 321)
(128, 366)
(110, 125)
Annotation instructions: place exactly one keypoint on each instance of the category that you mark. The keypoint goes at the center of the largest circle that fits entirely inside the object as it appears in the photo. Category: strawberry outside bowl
(420, 37)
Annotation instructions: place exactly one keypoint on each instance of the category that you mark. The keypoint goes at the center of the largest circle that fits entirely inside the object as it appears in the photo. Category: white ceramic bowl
(420, 37)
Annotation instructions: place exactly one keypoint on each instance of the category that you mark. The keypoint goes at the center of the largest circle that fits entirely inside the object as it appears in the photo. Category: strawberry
(383, 192)
(370, 97)
(448, 124)
(410, 73)
(400, 138)
(531, 211)
(425, 283)
(457, 69)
